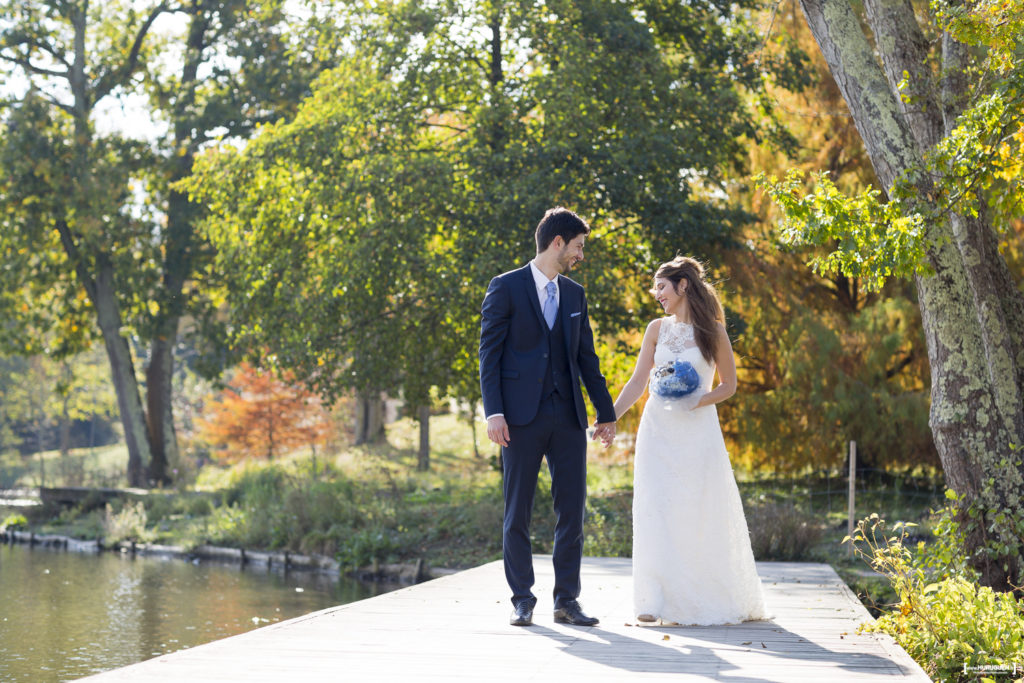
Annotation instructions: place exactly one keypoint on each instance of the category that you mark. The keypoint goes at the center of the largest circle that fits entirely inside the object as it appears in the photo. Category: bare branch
(29, 41)
(116, 76)
(26, 64)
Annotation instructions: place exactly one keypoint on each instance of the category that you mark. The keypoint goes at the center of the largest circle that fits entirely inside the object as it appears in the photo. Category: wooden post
(850, 500)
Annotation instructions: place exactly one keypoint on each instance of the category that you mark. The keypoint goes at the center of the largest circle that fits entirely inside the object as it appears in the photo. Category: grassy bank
(362, 504)
(369, 503)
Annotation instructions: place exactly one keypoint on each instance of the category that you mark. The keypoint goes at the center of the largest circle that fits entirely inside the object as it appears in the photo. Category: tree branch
(71, 249)
(851, 59)
(26, 64)
(116, 76)
(904, 49)
(953, 80)
(898, 368)
(29, 41)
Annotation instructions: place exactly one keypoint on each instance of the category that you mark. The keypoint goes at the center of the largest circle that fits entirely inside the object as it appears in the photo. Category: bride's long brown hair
(705, 306)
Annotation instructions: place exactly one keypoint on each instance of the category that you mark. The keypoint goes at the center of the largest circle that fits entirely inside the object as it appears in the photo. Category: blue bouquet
(674, 380)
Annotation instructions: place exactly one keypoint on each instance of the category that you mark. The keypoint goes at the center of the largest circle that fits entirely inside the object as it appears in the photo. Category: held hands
(604, 431)
(497, 430)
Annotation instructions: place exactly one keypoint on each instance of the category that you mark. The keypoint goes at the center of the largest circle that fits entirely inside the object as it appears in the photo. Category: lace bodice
(676, 336)
(676, 341)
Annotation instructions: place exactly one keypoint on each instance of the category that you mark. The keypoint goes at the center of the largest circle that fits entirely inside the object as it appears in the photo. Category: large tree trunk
(178, 262)
(972, 312)
(126, 385)
(122, 372)
(103, 297)
(159, 406)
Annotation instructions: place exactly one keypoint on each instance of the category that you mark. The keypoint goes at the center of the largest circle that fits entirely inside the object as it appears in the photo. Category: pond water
(65, 615)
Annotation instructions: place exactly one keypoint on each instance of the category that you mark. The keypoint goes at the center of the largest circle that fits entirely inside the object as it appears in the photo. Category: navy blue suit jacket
(512, 347)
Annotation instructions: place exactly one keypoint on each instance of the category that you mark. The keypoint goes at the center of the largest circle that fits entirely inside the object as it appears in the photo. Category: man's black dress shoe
(571, 613)
(523, 616)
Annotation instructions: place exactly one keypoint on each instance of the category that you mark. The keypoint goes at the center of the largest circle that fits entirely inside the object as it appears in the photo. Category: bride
(692, 562)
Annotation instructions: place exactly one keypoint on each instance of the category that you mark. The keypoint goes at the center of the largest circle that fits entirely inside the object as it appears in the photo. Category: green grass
(104, 466)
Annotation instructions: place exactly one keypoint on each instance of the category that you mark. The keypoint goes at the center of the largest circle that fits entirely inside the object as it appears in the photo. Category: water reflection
(66, 615)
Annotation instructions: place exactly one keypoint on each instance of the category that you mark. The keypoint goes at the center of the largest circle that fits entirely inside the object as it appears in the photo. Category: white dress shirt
(541, 280)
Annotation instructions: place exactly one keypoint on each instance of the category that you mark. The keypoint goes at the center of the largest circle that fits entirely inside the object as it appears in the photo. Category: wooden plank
(456, 628)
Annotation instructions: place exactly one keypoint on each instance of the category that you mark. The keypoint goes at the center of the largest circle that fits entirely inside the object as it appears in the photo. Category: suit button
(545, 355)
(540, 381)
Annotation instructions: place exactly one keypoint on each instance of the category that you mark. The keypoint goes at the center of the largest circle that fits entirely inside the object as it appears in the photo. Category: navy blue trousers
(556, 434)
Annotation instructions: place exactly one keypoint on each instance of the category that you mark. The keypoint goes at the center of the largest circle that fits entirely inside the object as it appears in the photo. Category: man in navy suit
(535, 346)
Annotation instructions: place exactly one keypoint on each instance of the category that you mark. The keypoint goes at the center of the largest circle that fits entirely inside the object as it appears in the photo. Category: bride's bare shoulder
(653, 329)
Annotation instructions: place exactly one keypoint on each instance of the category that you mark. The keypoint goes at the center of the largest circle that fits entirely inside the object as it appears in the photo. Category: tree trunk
(64, 435)
(369, 425)
(103, 297)
(972, 313)
(472, 427)
(94, 268)
(159, 395)
(423, 458)
(39, 451)
(177, 265)
(122, 373)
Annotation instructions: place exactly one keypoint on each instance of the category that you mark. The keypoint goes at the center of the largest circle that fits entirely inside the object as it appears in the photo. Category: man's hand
(497, 430)
(604, 431)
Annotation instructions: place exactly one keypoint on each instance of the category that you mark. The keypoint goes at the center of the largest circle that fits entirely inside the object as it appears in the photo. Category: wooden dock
(456, 628)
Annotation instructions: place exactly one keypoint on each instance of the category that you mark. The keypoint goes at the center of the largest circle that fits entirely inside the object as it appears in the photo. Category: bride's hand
(604, 431)
(695, 401)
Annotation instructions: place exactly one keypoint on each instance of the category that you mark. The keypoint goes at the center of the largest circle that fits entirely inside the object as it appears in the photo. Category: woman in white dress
(692, 562)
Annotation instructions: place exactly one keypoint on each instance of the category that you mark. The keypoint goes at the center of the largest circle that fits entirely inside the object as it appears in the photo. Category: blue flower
(675, 380)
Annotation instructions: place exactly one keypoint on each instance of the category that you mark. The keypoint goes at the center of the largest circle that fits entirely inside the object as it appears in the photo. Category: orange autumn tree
(261, 413)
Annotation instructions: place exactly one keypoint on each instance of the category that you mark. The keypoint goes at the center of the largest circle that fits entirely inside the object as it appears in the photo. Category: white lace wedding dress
(692, 562)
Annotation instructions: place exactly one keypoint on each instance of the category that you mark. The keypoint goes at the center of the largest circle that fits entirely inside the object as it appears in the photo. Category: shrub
(129, 524)
(12, 522)
(609, 525)
(782, 532)
(951, 626)
(364, 546)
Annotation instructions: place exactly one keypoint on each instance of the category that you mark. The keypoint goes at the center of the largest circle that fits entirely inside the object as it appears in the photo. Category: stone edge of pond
(405, 573)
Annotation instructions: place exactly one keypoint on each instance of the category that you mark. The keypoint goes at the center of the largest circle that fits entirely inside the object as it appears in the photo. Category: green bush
(949, 624)
(16, 521)
(364, 546)
(955, 625)
(609, 525)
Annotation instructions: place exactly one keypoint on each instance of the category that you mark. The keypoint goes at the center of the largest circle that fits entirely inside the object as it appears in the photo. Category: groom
(535, 346)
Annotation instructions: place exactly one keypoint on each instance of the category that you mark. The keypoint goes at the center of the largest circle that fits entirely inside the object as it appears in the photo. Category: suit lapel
(531, 293)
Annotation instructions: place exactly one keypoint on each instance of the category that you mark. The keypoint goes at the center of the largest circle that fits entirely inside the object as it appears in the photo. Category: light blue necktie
(550, 306)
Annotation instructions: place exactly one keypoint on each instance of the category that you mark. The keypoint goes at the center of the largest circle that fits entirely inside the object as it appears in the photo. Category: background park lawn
(367, 503)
